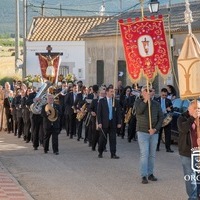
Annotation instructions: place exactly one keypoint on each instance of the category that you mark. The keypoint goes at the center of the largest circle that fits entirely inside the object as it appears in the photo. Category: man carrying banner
(147, 137)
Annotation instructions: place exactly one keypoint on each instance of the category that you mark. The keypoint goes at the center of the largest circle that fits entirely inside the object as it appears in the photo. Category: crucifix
(49, 57)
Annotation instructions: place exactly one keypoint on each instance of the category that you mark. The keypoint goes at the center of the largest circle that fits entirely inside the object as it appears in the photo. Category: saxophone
(80, 115)
(128, 116)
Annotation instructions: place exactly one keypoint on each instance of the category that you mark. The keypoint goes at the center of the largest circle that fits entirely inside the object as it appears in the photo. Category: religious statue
(50, 70)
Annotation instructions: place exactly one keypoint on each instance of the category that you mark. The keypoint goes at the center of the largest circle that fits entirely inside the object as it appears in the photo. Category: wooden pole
(149, 106)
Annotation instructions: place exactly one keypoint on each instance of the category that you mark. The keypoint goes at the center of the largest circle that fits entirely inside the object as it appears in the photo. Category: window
(100, 72)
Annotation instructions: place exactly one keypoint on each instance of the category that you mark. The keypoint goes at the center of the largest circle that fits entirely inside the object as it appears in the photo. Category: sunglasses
(149, 90)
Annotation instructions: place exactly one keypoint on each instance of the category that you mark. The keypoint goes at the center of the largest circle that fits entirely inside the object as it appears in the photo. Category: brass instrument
(168, 118)
(36, 107)
(88, 118)
(80, 115)
(128, 116)
(51, 112)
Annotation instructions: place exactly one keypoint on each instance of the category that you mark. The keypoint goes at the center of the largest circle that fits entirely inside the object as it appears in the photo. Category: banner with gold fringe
(145, 47)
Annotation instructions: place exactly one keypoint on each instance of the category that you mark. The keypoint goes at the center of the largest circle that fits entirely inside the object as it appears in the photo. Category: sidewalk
(10, 188)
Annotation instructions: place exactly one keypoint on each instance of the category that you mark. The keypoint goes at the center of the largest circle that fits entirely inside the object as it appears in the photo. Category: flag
(145, 47)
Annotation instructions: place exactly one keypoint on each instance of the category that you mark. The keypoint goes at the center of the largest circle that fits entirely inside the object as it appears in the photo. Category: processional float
(189, 71)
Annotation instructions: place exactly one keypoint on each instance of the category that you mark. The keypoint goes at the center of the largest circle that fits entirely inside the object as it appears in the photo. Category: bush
(8, 79)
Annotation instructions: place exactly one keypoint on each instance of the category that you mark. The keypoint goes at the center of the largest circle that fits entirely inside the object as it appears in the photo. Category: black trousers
(167, 131)
(9, 119)
(111, 132)
(132, 128)
(94, 133)
(47, 135)
(36, 122)
(72, 124)
(79, 128)
(20, 125)
(67, 125)
(27, 127)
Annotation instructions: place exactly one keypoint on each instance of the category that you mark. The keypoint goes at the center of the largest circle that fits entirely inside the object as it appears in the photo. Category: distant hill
(70, 7)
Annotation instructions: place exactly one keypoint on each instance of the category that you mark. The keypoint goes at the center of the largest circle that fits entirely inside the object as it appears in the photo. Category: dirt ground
(7, 63)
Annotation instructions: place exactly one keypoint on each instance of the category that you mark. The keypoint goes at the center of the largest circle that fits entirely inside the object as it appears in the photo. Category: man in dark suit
(51, 125)
(167, 107)
(109, 119)
(70, 112)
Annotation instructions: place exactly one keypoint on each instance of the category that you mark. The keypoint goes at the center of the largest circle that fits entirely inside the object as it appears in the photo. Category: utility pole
(24, 37)
(42, 8)
(60, 10)
(17, 36)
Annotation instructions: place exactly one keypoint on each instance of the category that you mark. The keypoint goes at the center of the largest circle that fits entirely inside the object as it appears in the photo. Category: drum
(167, 120)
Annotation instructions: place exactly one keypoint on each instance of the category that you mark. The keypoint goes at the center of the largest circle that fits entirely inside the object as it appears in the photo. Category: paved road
(77, 173)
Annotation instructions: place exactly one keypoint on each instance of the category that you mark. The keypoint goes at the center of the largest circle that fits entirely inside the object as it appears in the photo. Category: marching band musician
(167, 107)
(80, 107)
(125, 100)
(93, 110)
(70, 112)
(36, 121)
(20, 93)
(109, 118)
(92, 93)
(51, 125)
(62, 91)
(26, 116)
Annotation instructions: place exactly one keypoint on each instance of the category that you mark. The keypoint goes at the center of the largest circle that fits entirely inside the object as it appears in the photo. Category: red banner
(145, 47)
(49, 67)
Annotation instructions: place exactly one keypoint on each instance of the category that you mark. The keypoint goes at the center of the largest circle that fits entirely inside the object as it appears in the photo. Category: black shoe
(157, 149)
(134, 139)
(85, 141)
(169, 150)
(35, 148)
(114, 157)
(56, 153)
(71, 137)
(93, 149)
(45, 151)
(152, 178)
(129, 140)
(78, 139)
(144, 180)
(122, 137)
(100, 156)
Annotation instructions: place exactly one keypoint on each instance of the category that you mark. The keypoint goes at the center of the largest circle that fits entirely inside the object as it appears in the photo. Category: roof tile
(62, 28)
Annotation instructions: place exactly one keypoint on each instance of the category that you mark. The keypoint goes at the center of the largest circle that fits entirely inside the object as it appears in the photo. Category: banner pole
(149, 105)
(115, 70)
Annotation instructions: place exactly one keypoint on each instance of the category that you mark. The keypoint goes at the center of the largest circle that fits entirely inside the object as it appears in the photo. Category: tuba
(53, 116)
(36, 107)
(80, 115)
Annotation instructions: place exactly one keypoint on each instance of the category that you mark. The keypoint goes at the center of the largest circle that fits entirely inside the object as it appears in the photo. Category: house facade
(62, 34)
(105, 60)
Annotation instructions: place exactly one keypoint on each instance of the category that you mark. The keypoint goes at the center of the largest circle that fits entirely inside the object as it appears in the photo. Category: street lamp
(154, 6)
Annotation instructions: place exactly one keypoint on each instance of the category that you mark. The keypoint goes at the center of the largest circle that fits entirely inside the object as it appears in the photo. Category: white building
(62, 33)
